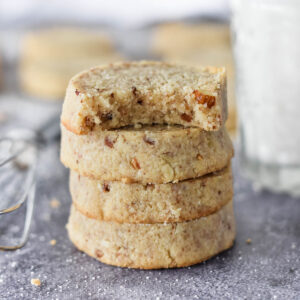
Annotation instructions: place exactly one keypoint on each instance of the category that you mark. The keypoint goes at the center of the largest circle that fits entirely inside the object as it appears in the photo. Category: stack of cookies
(151, 181)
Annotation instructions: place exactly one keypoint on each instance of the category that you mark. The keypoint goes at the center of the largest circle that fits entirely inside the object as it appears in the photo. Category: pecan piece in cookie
(207, 100)
(108, 142)
(135, 164)
(186, 117)
(89, 123)
(106, 187)
(148, 140)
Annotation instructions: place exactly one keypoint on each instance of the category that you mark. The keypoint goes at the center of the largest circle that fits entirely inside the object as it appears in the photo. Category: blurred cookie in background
(199, 44)
(50, 57)
(48, 79)
(180, 38)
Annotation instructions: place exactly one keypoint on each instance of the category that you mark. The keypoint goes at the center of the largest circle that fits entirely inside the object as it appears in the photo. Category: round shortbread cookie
(60, 43)
(49, 79)
(153, 246)
(145, 92)
(155, 203)
(182, 38)
(151, 154)
(51, 56)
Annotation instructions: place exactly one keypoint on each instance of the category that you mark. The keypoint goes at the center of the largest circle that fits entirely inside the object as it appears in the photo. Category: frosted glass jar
(266, 42)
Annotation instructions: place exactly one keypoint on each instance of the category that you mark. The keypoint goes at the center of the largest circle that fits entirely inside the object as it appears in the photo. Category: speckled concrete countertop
(267, 268)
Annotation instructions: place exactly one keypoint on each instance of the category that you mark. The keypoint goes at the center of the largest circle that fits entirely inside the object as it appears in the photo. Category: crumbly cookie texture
(154, 203)
(218, 56)
(143, 92)
(150, 154)
(153, 246)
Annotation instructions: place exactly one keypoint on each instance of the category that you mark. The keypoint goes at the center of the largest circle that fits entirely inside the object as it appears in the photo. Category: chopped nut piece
(248, 241)
(207, 100)
(148, 140)
(35, 281)
(98, 253)
(186, 117)
(150, 185)
(53, 242)
(54, 203)
(89, 123)
(77, 92)
(108, 142)
(106, 187)
(135, 164)
(199, 156)
(134, 91)
(106, 117)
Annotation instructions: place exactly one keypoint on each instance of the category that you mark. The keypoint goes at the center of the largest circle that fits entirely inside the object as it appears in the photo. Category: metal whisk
(19, 150)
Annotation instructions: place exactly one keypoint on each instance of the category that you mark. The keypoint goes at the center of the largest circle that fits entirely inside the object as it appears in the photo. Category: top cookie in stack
(148, 139)
(146, 93)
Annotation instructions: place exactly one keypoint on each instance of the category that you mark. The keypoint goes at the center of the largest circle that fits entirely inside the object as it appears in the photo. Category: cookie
(50, 57)
(143, 92)
(150, 154)
(49, 79)
(153, 246)
(182, 38)
(60, 43)
(154, 203)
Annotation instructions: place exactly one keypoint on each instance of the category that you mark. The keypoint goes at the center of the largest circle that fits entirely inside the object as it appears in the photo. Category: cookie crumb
(248, 241)
(54, 203)
(53, 242)
(35, 281)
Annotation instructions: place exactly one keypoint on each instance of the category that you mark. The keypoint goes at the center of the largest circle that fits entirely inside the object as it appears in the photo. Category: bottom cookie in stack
(153, 246)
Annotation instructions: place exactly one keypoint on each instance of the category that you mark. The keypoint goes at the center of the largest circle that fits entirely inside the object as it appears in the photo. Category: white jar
(266, 42)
